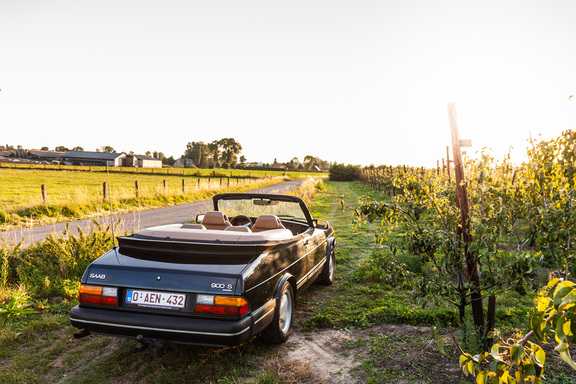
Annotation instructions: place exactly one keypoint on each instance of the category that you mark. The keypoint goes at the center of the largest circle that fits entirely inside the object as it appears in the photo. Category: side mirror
(200, 217)
(321, 224)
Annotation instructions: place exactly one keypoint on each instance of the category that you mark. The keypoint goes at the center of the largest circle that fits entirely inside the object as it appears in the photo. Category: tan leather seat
(216, 220)
(266, 223)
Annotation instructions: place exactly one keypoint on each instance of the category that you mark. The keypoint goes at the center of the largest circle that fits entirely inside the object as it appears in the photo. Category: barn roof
(92, 155)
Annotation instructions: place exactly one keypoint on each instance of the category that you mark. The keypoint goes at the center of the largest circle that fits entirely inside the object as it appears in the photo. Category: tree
(242, 160)
(549, 205)
(198, 152)
(42, 149)
(309, 161)
(293, 164)
(214, 150)
(168, 161)
(108, 149)
(341, 172)
(78, 149)
(426, 208)
(61, 148)
(219, 152)
(148, 153)
(230, 150)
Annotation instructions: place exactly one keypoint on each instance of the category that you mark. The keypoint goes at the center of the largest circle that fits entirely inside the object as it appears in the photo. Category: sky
(355, 82)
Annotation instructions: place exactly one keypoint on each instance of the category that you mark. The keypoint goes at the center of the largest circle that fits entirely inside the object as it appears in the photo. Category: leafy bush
(18, 305)
(341, 172)
(384, 268)
(48, 268)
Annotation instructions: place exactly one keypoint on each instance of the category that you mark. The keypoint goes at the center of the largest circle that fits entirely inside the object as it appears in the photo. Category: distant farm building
(93, 158)
(142, 161)
(30, 156)
(184, 163)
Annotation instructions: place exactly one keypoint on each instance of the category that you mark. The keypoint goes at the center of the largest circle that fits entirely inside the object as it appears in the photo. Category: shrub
(341, 172)
(49, 267)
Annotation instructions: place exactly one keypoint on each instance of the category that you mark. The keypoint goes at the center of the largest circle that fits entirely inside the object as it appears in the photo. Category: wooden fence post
(198, 183)
(164, 185)
(183, 187)
(105, 191)
(464, 229)
(44, 194)
(137, 188)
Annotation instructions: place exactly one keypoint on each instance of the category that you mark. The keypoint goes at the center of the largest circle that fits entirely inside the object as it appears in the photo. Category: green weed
(16, 308)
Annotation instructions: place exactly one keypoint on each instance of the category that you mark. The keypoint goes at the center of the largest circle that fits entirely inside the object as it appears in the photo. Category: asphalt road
(132, 221)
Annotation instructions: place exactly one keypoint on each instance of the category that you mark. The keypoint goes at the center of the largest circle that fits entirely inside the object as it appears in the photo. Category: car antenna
(110, 203)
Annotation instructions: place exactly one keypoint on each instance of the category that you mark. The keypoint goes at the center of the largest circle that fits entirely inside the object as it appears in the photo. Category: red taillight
(92, 294)
(221, 305)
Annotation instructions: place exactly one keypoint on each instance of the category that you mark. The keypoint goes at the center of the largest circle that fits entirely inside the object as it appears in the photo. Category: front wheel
(280, 328)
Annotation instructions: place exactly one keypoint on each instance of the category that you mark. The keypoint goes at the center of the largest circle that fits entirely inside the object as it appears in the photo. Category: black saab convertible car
(220, 281)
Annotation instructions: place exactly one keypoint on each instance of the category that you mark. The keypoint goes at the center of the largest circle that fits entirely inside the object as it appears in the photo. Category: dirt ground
(396, 354)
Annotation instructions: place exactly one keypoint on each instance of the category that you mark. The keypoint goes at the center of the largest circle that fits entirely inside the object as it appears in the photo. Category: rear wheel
(280, 328)
(327, 275)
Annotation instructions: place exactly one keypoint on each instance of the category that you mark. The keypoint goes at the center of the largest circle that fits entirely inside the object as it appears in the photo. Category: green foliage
(54, 266)
(517, 360)
(551, 173)
(341, 172)
(472, 338)
(385, 268)
(521, 219)
(423, 221)
(18, 306)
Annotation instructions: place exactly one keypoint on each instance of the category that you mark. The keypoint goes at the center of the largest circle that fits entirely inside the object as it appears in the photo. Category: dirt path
(132, 221)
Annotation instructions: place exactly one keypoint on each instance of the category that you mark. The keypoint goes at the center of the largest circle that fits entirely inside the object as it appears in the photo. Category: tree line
(223, 153)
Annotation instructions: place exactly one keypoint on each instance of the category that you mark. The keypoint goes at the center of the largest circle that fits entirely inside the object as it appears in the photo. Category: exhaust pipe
(159, 345)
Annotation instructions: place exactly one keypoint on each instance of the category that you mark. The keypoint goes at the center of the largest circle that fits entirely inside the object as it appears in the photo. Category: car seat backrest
(216, 220)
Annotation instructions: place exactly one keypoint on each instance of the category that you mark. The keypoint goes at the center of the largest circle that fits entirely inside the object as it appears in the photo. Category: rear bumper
(175, 329)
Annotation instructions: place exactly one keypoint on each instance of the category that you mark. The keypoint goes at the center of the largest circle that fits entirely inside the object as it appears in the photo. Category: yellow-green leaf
(539, 354)
(553, 282)
(481, 378)
(495, 351)
(440, 344)
(542, 303)
(516, 352)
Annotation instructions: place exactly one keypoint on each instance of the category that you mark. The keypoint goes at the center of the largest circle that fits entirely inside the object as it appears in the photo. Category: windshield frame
(264, 196)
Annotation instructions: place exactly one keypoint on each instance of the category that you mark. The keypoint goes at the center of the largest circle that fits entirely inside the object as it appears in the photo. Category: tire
(279, 330)
(327, 275)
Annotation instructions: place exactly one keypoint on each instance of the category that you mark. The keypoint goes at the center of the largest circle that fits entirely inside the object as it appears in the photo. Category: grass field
(73, 194)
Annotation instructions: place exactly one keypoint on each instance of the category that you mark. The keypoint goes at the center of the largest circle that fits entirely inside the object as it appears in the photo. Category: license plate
(155, 299)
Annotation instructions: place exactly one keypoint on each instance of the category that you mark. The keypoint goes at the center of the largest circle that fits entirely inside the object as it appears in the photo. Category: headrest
(215, 218)
(267, 222)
